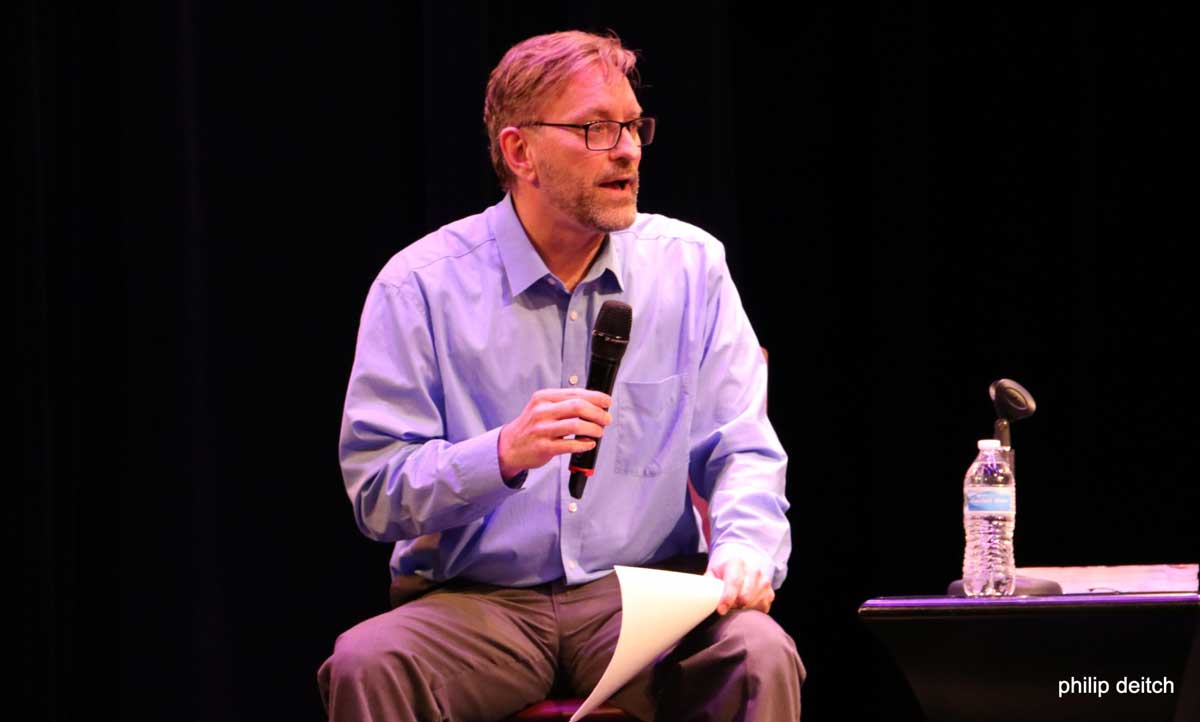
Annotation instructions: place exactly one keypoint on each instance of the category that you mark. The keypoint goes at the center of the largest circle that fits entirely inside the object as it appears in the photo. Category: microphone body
(609, 340)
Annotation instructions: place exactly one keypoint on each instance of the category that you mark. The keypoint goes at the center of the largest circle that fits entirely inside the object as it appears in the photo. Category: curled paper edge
(657, 609)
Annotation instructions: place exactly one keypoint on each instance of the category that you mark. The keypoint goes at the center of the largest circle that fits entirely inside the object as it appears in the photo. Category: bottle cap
(989, 444)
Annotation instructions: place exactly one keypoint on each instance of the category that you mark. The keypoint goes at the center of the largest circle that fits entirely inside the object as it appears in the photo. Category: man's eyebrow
(602, 113)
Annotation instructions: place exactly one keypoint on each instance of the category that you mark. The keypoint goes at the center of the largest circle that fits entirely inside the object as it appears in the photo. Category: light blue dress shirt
(462, 327)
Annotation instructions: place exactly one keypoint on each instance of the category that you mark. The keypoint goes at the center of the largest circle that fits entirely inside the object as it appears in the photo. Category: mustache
(630, 175)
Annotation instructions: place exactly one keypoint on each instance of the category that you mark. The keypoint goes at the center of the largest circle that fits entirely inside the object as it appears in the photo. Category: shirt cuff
(517, 481)
(478, 465)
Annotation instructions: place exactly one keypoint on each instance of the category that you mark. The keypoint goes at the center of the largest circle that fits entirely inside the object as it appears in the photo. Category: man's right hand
(540, 433)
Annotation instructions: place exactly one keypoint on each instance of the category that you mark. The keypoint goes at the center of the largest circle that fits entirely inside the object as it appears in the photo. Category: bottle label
(992, 499)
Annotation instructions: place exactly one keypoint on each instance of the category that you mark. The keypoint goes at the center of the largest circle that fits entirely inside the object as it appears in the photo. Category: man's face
(593, 189)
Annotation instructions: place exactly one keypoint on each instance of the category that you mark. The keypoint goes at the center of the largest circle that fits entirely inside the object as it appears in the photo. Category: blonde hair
(536, 68)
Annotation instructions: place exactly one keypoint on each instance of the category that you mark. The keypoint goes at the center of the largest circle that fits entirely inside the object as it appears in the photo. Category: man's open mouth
(619, 184)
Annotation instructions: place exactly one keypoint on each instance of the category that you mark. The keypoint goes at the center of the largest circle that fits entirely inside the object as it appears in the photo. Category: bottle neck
(1003, 455)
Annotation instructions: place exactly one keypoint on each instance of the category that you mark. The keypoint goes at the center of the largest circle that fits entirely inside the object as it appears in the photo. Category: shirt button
(574, 315)
(572, 507)
(570, 565)
(574, 379)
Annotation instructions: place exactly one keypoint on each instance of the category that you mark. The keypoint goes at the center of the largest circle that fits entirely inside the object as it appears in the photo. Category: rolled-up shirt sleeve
(403, 476)
(737, 462)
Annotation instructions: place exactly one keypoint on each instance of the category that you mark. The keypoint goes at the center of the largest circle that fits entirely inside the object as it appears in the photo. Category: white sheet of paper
(657, 609)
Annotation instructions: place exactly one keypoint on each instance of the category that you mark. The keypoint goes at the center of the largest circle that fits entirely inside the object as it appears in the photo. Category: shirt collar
(522, 264)
(608, 259)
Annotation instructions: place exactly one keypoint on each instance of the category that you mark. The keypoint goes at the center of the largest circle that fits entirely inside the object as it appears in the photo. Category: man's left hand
(745, 586)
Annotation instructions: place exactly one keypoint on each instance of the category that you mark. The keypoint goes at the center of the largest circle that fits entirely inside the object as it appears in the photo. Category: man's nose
(627, 147)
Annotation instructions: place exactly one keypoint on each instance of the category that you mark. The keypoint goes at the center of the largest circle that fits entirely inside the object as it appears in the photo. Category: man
(465, 403)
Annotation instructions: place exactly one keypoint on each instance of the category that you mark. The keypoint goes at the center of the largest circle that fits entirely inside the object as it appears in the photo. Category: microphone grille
(615, 319)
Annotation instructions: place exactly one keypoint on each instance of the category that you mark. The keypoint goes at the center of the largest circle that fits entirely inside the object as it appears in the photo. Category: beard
(587, 203)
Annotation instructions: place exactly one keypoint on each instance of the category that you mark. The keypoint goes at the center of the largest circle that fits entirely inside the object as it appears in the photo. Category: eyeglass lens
(605, 134)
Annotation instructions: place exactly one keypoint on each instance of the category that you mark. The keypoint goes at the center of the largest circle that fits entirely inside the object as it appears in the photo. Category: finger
(558, 447)
(734, 572)
(571, 427)
(762, 596)
(751, 590)
(580, 409)
(763, 602)
(599, 398)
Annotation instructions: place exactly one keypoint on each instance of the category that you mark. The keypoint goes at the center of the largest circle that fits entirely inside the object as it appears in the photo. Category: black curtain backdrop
(915, 203)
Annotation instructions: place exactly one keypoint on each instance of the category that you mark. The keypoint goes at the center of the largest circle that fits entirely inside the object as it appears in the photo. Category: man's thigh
(742, 666)
(739, 666)
(471, 652)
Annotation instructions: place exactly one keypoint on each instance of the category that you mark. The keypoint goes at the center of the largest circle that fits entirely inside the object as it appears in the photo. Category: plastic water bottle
(989, 517)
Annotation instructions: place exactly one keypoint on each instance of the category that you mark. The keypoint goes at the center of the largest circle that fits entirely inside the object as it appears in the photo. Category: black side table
(1094, 657)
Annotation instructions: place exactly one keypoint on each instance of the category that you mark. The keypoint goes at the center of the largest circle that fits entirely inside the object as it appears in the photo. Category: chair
(554, 710)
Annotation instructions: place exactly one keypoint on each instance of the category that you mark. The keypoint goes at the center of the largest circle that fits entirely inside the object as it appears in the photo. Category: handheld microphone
(610, 336)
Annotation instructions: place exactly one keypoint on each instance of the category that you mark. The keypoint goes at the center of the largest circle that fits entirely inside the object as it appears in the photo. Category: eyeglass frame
(587, 132)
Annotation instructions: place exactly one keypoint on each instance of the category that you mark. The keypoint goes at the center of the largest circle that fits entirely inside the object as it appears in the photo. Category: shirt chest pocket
(652, 425)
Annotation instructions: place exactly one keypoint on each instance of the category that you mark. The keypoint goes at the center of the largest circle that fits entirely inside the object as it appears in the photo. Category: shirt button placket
(575, 340)
(575, 343)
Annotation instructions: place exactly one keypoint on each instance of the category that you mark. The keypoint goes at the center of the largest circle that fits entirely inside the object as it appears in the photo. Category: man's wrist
(512, 476)
(721, 553)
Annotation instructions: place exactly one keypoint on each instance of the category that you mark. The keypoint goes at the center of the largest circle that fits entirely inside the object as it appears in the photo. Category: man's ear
(517, 154)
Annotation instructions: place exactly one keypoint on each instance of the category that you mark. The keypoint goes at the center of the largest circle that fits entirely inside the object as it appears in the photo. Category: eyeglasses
(605, 134)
